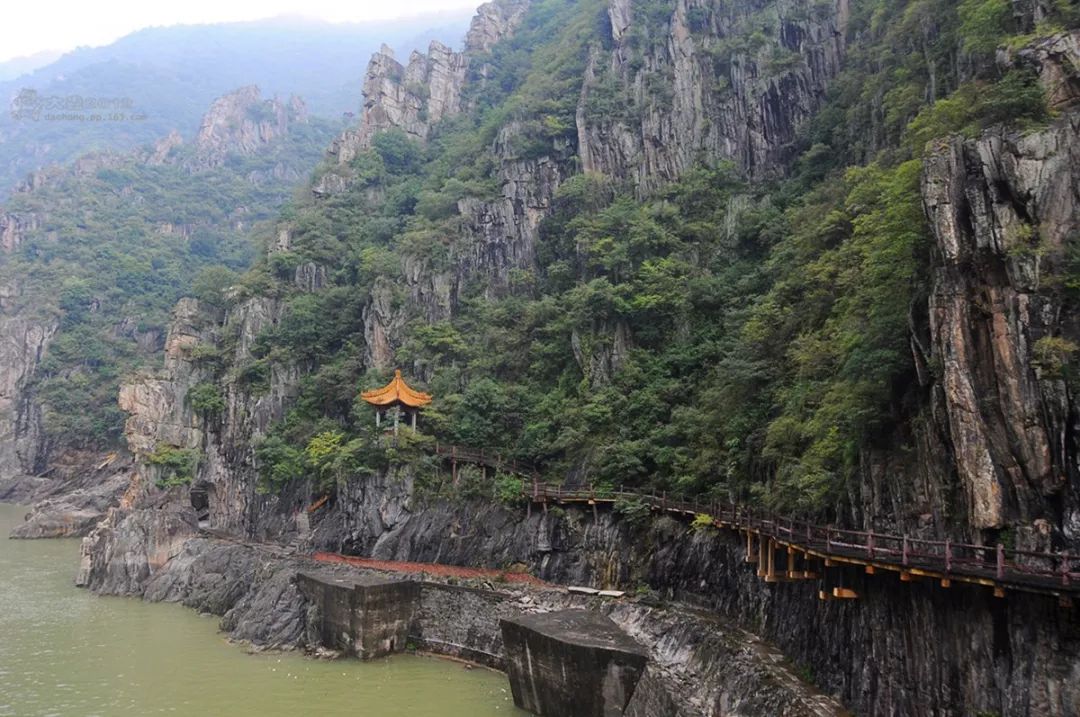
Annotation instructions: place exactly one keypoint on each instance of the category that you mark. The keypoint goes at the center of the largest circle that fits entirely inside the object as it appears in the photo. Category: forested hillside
(95, 255)
(745, 321)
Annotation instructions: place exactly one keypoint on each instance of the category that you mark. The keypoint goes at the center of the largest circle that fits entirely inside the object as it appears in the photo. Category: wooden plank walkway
(817, 547)
(997, 567)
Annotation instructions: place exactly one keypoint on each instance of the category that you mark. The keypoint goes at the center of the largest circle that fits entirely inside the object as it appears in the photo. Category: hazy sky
(30, 26)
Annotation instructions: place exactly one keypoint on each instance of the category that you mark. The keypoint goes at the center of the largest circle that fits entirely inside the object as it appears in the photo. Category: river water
(65, 652)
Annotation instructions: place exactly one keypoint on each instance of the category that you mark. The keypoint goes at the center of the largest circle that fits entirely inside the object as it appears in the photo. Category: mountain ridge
(165, 84)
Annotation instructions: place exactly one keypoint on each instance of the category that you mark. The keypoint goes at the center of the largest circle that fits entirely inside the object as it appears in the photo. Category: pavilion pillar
(414, 412)
(397, 416)
(378, 419)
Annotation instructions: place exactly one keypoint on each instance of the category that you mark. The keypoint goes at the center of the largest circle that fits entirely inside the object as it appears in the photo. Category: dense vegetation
(719, 337)
(766, 327)
(119, 242)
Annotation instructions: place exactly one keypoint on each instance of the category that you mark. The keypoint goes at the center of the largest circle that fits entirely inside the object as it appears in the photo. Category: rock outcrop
(73, 508)
(155, 518)
(13, 229)
(494, 22)
(164, 149)
(1004, 211)
(240, 123)
(696, 665)
(24, 338)
(646, 119)
(649, 115)
(413, 98)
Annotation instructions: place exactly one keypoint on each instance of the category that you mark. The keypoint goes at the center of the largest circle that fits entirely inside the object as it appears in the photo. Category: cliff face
(1003, 210)
(153, 519)
(413, 98)
(903, 649)
(649, 108)
(23, 342)
(649, 114)
(989, 450)
(24, 339)
(13, 228)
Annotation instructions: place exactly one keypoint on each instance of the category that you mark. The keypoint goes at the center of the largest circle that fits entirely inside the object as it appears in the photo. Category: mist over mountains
(163, 78)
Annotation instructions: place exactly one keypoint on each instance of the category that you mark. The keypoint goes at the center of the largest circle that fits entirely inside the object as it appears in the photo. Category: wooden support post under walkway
(770, 573)
(750, 547)
(762, 561)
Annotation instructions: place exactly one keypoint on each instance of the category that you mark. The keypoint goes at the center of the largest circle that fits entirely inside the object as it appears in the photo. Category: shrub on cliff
(177, 466)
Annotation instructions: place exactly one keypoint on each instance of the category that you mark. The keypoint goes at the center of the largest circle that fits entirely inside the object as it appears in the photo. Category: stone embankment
(692, 664)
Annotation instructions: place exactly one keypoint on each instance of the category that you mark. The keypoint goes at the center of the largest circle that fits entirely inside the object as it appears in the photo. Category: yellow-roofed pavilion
(396, 396)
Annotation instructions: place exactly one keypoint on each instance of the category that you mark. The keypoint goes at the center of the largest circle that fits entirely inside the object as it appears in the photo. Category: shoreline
(461, 623)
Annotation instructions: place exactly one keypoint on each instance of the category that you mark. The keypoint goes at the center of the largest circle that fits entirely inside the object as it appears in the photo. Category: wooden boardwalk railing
(491, 459)
(996, 565)
(993, 565)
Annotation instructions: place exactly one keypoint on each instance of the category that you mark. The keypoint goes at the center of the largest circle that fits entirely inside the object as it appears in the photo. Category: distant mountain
(18, 66)
(160, 79)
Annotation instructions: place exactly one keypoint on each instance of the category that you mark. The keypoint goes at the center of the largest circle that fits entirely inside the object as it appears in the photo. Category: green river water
(65, 652)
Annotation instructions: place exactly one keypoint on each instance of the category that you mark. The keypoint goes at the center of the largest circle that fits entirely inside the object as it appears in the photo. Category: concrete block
(571, 663)
(368, 617)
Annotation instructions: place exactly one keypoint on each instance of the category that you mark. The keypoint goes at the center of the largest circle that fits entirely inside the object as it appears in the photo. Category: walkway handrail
(903, 551)
(487, 458)
(948, 557)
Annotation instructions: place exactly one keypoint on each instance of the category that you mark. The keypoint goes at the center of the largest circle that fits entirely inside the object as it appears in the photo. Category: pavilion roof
(397, 391)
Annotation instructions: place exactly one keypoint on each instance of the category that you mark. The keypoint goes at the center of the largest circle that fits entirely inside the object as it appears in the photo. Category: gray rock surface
(1003, 209)
(73, 512)
(697, 664)
(24, 338)
(691, 95)
(240, 123)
